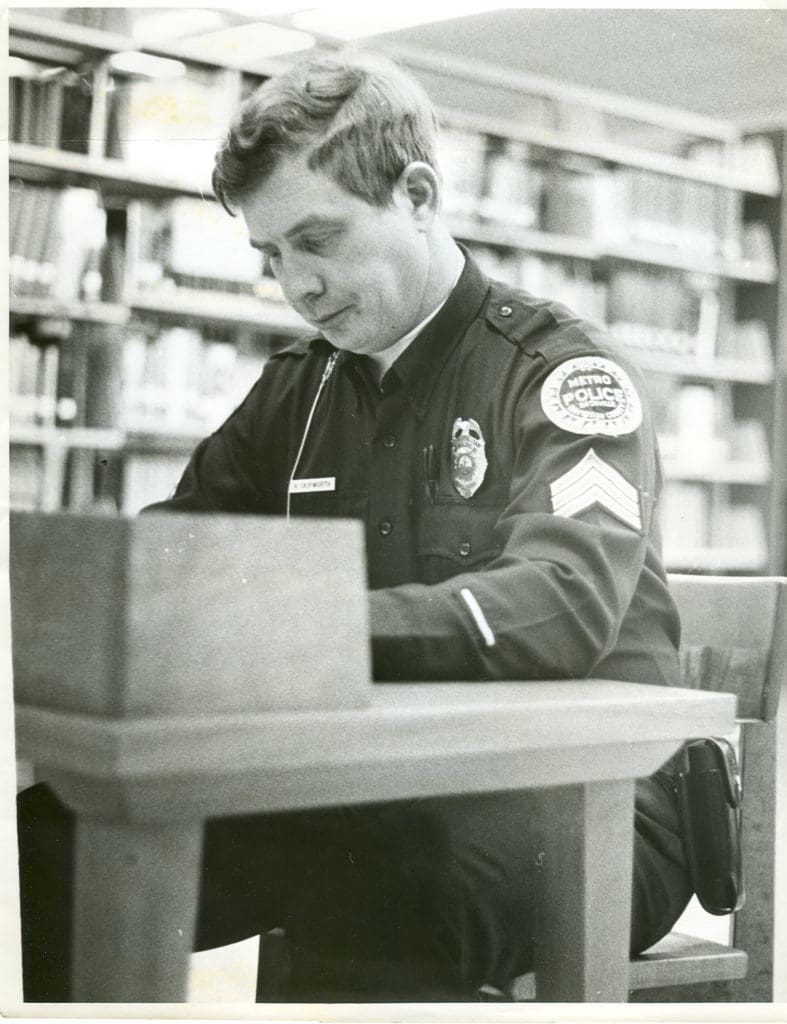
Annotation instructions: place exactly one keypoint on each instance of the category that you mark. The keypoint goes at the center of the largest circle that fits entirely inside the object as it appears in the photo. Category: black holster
(709, 797)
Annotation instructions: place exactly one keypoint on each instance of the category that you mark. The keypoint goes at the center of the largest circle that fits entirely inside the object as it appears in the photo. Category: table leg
(136, 892)
(585, 914)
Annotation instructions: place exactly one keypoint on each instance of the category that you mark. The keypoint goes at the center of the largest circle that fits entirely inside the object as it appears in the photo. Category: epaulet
(303, 346)
(540, 326)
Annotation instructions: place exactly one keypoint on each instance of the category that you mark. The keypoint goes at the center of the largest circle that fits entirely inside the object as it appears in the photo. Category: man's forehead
(291, 198)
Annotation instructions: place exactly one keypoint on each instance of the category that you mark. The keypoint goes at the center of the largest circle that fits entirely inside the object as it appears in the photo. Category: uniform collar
(421, 363)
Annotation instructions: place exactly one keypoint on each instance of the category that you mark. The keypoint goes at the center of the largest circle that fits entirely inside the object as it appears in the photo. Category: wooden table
(142, 787)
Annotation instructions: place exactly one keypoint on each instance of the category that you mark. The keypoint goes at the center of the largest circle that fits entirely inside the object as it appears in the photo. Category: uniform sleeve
(220, 475)
(572, 543)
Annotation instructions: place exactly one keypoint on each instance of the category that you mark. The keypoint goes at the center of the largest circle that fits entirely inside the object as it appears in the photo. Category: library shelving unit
(139, 316)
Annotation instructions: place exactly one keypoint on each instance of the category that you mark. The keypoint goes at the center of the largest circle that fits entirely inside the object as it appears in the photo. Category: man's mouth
(326, 321)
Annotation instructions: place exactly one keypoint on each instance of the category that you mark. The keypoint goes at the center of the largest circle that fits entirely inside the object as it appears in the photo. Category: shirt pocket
(454, 537)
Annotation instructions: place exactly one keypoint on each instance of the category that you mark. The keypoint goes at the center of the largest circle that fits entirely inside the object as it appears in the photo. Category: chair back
(734, 638)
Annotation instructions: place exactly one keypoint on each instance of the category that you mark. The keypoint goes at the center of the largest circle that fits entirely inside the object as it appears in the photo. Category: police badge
(468, 457)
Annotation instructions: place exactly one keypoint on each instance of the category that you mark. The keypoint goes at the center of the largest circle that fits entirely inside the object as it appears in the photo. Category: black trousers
(420, 900)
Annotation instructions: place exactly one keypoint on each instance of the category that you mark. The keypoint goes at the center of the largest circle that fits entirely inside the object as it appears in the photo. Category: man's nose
(299, 281)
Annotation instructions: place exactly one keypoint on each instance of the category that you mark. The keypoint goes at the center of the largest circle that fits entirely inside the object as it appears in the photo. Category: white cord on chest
(323, 381)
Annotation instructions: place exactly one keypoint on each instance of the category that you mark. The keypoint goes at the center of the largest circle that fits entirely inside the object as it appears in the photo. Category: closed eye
(316, 243)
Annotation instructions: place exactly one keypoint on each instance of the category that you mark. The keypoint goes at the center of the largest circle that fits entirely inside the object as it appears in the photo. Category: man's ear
(418, 188)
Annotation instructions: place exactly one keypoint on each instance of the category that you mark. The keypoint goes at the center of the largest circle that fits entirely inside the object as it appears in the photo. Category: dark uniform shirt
(547, 566)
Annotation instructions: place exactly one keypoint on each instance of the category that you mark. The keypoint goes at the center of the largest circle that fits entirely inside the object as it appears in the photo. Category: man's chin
(339, 340)
(347, 341)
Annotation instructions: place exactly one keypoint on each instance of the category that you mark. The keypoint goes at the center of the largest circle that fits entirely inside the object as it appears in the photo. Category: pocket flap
(463, 533)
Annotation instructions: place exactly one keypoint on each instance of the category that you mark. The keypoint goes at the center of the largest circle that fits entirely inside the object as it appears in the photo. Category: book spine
(47, 386)
(72, 378)
(24, 477)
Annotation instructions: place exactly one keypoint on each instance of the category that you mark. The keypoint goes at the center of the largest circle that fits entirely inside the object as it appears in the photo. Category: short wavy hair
(359, 117)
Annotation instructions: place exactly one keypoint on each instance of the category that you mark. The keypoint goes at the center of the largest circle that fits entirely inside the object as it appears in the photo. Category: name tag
(315, 483)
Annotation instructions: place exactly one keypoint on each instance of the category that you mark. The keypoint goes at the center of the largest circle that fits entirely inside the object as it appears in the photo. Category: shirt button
(505, 311)
(465, 548)
(389, 441)
(385, 527)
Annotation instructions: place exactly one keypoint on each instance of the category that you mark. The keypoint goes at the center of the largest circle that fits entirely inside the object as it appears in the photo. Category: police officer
(502, 457)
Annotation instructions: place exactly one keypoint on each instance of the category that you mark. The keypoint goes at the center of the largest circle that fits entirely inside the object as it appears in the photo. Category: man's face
(357, 272)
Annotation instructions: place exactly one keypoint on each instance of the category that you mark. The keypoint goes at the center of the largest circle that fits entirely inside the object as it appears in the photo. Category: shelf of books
(140, 315)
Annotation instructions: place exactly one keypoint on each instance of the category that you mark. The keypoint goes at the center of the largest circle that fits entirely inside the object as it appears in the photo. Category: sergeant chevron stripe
(594, 482)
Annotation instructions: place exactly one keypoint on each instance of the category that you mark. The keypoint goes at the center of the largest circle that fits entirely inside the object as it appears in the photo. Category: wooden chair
(734, 640)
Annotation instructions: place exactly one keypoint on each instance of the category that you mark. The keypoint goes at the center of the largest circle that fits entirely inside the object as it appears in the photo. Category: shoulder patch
(591, 395)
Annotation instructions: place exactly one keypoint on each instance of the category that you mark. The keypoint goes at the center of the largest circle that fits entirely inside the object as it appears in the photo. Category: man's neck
(451, 266)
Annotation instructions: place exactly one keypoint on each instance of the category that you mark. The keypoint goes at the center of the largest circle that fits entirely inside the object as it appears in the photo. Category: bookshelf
(663, 226)
(35, 163)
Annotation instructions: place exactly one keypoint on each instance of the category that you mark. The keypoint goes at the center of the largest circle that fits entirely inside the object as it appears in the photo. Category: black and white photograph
(395, 555)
